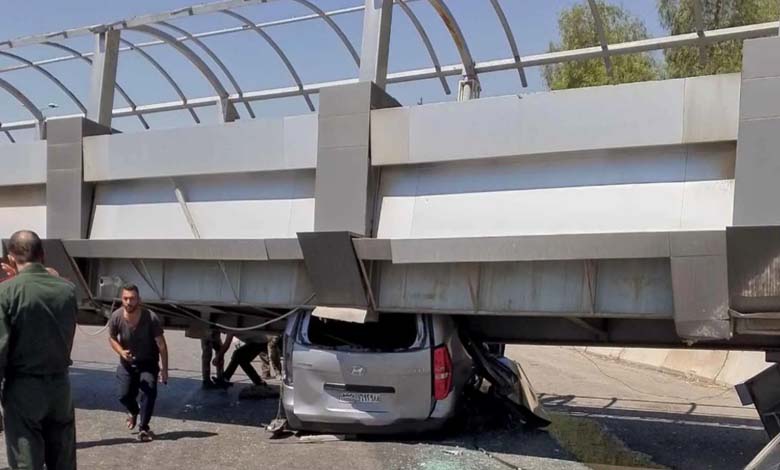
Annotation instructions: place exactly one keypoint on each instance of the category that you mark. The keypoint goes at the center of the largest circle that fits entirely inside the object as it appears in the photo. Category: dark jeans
(208, 346)
(243, 356)
(40, 426)
(135, 378)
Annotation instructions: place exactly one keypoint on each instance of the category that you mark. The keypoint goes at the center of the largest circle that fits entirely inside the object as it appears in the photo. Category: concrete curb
(722, 367)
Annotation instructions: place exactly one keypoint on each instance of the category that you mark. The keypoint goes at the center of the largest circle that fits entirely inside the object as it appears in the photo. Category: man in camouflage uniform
(37, 323)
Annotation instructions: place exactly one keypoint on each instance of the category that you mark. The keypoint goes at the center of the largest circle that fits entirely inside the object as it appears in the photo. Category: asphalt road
(605, 414)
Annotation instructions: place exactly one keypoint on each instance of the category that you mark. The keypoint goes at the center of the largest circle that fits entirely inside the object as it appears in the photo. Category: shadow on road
(674, 439)
(168, 436)
(181, 398)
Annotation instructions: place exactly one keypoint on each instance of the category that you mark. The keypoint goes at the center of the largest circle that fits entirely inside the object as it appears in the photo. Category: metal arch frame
(30, 40)
(228, 111)
(176, 88)
(427, 41)
(119, 88)
(49, 76)
(699, 19)
(510, 37)
(275, 46)
(335, 27)
(216, 60)
(449, 70)
(25, 101)
(599, 24)
(469, 68)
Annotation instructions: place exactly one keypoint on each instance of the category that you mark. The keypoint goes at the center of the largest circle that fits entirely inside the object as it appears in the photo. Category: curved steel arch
(164, 73)
(279, 52)
(599, 24)
(216, 60)
(335, 27)
(228, 111)
(119, 88)
(469, 69)
(699, 19)
(511, 38)
(48, 75)
(23, 99)
(427, 41)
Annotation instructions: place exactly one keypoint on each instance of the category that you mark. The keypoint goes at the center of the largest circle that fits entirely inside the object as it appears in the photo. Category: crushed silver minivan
(403, 372)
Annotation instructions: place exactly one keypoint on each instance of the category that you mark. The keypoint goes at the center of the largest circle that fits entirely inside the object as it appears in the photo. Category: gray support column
(345, 182)
(103, 80)
(700, 286)
(375, 48)
(757, 171)
(68, 198)
(701, 301)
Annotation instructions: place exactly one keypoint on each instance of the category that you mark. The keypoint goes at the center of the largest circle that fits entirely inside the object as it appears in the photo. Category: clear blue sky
(312, 47)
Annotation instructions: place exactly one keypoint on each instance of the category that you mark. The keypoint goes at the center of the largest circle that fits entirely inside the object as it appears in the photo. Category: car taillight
(442, 373)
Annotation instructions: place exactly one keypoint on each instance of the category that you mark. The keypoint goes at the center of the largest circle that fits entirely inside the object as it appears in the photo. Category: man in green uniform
(37, 323)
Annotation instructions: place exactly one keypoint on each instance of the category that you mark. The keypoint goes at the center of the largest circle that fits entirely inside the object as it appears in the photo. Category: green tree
(578, 30)
(678, 17)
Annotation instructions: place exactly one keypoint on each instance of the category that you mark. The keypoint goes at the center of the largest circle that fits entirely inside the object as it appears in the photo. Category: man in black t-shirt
(136, 335)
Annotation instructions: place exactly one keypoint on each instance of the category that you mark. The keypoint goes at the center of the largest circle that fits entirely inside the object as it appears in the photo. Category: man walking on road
(37, 323)
(136, 335)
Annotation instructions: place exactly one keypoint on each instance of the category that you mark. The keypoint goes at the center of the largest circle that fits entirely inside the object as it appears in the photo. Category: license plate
(358, 397)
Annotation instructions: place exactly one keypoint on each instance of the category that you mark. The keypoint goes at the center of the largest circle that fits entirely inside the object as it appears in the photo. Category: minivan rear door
(374, 373)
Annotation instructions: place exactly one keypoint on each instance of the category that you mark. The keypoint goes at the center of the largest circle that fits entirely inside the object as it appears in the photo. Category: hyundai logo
(359, 371)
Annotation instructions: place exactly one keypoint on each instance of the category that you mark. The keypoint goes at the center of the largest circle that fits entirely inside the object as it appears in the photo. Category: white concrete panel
(588, 209)
(707, 205)
(23, 163)
(301, 216)
(252, 205)
(256, 145)
(252, 219)
(667, 112)
(22, 207)
(300, 141)
(390, 136)
(537, 123)
(131, 221)
(22, 217)
(711, 108)
(396, 216)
